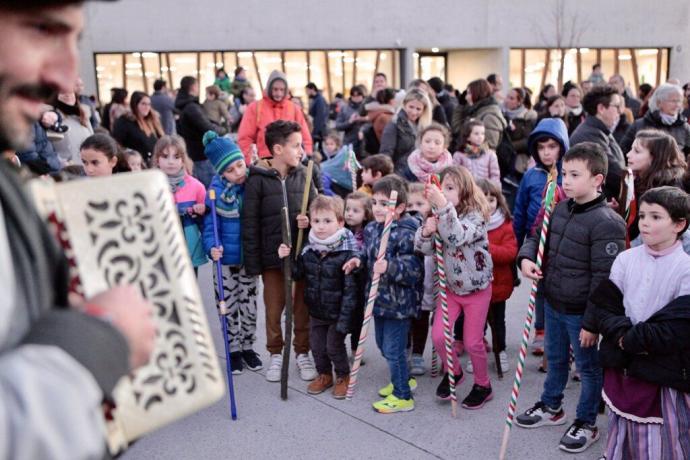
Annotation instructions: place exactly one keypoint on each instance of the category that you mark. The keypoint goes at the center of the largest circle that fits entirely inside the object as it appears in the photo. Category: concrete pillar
(407, 66)
(680, 63)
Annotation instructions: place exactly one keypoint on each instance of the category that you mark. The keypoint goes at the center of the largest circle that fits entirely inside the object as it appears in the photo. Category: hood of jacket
(552, 128)
(184, 99)
(272, 78)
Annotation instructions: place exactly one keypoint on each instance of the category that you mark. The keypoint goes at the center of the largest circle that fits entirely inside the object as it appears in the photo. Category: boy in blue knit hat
(239, 288)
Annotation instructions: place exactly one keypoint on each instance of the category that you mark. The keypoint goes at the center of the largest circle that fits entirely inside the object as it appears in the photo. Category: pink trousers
(475, 306)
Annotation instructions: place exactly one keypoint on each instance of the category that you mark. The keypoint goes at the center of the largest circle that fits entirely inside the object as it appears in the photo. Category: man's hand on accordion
(132, 315)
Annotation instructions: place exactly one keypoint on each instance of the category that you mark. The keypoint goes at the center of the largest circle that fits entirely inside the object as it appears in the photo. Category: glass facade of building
(333, 71)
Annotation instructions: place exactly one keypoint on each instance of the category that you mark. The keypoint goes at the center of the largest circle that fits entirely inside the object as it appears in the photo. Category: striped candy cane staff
(373, 292)
(549, 202)
(447, 332)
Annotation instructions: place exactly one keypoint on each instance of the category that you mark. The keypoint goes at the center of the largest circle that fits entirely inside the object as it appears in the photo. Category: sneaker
(251, 360)
(469, 367)
(274, 368)
(340, 388)
(538, 343)
(307, 371)
(391, 405)
(478, 397)
(236, 362)
(320, 384)
(579, 437)
(503, 359)
(540, 415)
(443, 389)
(417, 365)
(388, 389)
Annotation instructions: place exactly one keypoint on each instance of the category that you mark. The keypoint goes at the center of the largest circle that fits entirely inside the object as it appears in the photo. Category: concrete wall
(175, 25)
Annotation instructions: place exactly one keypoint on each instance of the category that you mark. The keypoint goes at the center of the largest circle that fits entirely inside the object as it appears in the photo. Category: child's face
(639, 158)
(477, 136)
(432, 145)
(290, 153)
(451, 191)
(657, 229)
(354, 213)
(96, 163)
(236, 172)
(548, 151)
(368, 176)
(170, 161)
(417, 203)
(493, 203)
(134, 162)
(324, 223)
(578, 183)
(379, 207)
(330, 145)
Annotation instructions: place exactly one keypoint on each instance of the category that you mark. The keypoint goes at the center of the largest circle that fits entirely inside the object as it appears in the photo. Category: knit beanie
(221, 151)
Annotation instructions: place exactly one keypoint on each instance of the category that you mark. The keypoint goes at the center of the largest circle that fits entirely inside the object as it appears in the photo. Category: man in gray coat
(57, 363)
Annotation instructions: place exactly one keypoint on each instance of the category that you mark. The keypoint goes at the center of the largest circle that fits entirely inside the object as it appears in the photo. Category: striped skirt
(628, 440)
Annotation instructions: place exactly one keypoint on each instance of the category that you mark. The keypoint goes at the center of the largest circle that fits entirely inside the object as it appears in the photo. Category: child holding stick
(399, 292)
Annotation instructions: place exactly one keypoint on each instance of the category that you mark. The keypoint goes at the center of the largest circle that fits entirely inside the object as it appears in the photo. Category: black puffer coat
(265, 194)
(582, 243)
(398, 141)
(193, 124)
(656, 350)
(680, 130)
(129, 135)
(329, 293)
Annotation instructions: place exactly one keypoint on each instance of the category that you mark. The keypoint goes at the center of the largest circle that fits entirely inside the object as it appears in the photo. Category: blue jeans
(203, 170)
(562, 331)
(391, 338)
(539, 308)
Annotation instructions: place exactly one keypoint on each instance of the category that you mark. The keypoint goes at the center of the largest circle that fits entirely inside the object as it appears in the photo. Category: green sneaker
(391, 405)
(388, 389)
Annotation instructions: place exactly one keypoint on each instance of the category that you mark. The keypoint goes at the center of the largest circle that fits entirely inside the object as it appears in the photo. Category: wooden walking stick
(222, 307)
(287, 280)
(373, 293)
(305, 203)
(549, 202)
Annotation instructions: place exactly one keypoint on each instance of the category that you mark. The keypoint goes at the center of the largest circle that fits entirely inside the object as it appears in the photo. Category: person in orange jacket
(275, 105)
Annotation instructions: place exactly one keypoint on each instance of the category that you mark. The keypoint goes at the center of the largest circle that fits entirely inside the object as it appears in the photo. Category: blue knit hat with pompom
(221, 151)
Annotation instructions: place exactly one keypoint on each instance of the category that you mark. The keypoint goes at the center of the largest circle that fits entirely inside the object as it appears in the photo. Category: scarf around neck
(176, 181)
(472, 152)
(496, 220)
(576, 111)
(515, 113)
(666, 119)
(342, 240)
(423, 168)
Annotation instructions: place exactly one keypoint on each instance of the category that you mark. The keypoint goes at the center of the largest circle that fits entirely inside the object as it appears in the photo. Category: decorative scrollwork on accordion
(125, 230)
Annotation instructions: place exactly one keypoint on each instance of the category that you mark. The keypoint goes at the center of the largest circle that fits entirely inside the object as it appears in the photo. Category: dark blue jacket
(40, 156)
(401, 287)
(228, 212)
(318, 110)
(529, 195)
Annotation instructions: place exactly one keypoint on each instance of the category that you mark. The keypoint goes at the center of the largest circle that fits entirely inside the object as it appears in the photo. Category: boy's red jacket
(503, 249)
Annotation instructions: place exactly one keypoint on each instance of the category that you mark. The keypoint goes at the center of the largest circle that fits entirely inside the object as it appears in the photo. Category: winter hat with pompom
(221, 151)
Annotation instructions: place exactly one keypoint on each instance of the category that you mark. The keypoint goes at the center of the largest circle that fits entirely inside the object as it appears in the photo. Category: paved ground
(313, 427)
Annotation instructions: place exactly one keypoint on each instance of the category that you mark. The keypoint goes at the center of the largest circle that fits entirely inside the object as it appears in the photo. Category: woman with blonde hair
(400, 134)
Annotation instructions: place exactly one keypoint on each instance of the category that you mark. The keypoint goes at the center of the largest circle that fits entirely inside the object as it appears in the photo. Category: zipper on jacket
(285, 195)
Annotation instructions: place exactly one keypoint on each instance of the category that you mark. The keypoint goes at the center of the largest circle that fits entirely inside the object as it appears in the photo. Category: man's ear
(376, 175)
(277, 149)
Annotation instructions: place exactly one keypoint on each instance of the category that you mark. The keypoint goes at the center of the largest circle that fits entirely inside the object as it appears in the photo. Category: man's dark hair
(598, 95)
(436, 84)
(119, 95)
(491, 78)
(674, 200)
(186, 83)
(279, 131)
(378, 163)
(389, 183)
(385, 96)
(238, 70)
(312, 86)
(159, 84)
(596, 66)
(357, 90)
(592, 154)
(380, 74)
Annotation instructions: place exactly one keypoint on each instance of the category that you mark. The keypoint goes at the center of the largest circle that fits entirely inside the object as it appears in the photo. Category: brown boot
(320, 384)
(340, 388)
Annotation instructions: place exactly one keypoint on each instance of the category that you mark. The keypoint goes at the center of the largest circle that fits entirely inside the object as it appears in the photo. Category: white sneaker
(274, 368)
(503, 359)
(307, 371)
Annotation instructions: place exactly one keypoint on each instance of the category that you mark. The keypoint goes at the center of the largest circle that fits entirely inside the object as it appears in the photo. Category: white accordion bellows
(125, 229)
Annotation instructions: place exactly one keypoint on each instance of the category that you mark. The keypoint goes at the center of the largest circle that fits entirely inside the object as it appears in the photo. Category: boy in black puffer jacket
(271, 185)
(585, 235)
(330, 294)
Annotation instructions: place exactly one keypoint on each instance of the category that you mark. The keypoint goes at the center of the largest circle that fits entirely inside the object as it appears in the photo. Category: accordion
(125, 229)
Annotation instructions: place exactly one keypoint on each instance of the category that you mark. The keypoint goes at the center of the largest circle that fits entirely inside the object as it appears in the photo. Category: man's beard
(13, 134)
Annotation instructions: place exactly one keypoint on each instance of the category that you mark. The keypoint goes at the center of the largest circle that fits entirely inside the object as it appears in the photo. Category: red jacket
(261, 113)
(503, 249)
